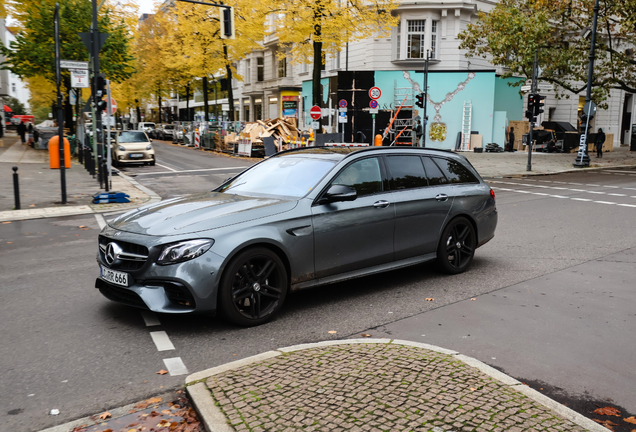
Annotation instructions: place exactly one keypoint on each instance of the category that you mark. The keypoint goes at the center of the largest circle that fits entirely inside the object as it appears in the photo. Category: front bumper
(185, 287)
(125, 157)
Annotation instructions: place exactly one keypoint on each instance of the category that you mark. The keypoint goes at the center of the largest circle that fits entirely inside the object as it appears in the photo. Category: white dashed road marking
(562, 197)
(166, 167)
(100, 220)
(175, 366)
(161, 340)
(150, 318)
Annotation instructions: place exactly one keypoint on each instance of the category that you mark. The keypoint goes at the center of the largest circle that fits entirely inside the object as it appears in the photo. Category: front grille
(133, 256)
(119, 294)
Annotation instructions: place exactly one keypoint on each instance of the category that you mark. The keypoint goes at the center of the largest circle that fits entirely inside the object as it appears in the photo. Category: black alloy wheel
(253, 287)
(457, 246)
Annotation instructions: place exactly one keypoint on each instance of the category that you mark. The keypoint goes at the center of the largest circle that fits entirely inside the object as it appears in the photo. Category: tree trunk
(230, 94)
(187, 102)
(159, 97)
(205, 99)
(316, 75)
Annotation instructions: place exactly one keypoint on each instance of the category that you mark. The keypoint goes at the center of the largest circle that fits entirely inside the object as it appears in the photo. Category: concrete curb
(216, 421)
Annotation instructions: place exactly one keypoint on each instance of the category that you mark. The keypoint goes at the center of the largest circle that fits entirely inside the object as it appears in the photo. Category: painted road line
(100, 220)
(627, 205)
(581, 199)
(150, 318)
(604, 202)
(563, 197)
(175, 366)
(161, 340)
(613, 187)
(237, 169)
(616, 195)
(164, 166)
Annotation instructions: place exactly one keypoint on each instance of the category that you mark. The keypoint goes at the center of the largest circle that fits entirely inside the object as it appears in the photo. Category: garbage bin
(54, 153)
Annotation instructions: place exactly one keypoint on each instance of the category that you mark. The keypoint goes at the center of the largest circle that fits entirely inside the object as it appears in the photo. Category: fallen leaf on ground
(166, 412)
(365, 335)
(162, 372)
(104, 416)
(82, 226)
(32, 205)
(608, 411)
(472, 389)
(607, 423)
(473, 299)
(429, 299)
(8, 222)
(332, 332)
(631, 420)
(9, 242)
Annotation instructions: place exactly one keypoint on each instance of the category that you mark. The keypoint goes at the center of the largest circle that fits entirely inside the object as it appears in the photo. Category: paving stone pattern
(374, 387)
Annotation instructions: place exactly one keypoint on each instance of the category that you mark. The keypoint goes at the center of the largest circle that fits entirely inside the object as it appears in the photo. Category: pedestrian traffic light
(539, 102)
(100, 84)
(227, 22)
(419, 100)
(101, 105)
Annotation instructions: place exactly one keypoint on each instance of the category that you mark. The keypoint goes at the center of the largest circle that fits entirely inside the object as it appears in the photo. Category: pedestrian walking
(511, 140)
(418, 133)
(22, 131)
(1, 127)
(30, 133)
(599, 140)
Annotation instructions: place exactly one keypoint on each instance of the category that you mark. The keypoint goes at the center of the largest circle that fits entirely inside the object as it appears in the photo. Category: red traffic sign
(113, 107)
(315, 112)
(375, 92)
(373, 104)
(342, 103)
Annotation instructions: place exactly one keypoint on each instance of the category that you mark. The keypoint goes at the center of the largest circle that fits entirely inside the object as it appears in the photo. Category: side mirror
(337, 193)
(150, 139)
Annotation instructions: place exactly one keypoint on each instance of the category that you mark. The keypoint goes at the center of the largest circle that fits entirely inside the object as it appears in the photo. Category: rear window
(132, 137)
(455, 172)
(168, 127)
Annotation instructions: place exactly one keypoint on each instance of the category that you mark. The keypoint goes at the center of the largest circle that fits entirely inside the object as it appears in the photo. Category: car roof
(339, 153)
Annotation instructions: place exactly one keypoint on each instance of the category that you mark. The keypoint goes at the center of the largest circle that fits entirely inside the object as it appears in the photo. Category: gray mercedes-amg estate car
(299, 219)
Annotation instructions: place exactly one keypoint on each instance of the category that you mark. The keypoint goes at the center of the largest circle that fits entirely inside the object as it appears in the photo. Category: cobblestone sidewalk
(377, 387)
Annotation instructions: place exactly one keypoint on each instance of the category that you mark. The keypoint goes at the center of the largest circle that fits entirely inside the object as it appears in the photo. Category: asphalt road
(64, 346)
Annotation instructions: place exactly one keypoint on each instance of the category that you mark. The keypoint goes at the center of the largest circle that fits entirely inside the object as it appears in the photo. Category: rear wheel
(456, 246)
(253, 287)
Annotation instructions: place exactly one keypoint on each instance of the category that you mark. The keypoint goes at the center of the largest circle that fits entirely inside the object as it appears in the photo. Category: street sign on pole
(342, 103)
(79, 78)
(373, 106)
(526, 88)
(113, 107)
(315, 112)
(72, 64)
(375, 93)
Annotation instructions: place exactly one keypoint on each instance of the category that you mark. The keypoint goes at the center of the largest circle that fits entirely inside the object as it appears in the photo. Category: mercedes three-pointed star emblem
(112, 253)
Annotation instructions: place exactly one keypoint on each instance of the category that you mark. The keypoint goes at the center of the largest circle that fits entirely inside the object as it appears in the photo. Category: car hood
(199, 212)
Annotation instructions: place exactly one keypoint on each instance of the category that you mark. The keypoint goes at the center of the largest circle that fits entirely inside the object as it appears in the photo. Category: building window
(336, 60)
(415, 39)
(304, 68)
(399, 39)
(260, 69)
(248, 71)
(433, 39)
(13, 87)
(282, 68)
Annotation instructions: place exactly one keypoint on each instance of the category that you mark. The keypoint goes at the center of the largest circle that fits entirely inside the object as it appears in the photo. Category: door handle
(441, 197)
(381, 204)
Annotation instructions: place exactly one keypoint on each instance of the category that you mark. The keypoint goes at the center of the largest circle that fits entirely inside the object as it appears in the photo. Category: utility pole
(60, 112)
(533, 91)
(582, 157)
(424, 118)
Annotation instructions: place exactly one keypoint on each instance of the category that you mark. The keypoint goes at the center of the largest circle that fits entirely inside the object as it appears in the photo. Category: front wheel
(456, 246)
(253, 287)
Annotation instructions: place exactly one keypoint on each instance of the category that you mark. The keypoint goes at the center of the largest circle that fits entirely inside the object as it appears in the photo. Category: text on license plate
(136, 155)
(116, 277)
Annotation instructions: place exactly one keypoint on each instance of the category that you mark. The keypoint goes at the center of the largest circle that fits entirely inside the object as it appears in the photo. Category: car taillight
(492, 193)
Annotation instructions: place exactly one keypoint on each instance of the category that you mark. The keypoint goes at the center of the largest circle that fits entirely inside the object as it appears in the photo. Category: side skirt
(364, 272)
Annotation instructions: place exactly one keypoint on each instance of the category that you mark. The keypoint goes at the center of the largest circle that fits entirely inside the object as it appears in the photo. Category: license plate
(113, 276)
(136, 155)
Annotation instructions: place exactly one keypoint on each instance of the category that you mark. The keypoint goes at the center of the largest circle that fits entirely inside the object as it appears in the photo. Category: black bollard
(99, 171)
(16, 188)
(80, 153)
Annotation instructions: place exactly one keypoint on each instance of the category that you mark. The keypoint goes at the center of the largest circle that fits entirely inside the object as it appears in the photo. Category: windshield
(168, 127)
(292, 176)
(132, 137)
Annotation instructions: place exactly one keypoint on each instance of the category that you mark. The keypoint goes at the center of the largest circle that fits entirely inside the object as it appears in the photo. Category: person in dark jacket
(22, 131)
(599, 141)
(511, 139)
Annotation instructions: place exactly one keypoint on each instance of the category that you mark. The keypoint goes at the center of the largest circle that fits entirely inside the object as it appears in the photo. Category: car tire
(456, 246)
(151, 163)
(253, 287)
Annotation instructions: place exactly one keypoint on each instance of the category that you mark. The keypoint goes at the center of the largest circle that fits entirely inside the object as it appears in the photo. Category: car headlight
(149, 147)
(184, 251)
(121, 148)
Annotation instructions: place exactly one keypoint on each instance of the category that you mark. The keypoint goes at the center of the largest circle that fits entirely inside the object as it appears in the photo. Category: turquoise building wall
(507, 98)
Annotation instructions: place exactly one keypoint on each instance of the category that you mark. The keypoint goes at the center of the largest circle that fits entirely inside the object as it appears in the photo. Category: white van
(146, 126)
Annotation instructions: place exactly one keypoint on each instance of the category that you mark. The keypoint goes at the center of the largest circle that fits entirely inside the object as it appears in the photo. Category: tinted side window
(434, 174)
(455, 172)
(363, 175)
(406, 172)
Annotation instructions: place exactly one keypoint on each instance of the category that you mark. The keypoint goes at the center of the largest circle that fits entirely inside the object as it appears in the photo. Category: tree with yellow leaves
(311, 27)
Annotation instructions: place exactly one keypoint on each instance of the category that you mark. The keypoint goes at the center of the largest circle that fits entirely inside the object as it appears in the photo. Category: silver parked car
(299, 219)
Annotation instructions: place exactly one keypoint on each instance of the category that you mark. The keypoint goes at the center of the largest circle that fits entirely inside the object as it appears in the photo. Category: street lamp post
(582, 158)
(424, 118)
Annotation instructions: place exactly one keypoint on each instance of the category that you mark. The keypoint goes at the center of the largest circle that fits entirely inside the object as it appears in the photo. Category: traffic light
(100, 84)
(532, 100)
(227, 22)
(419, 100)
(539, 102)
(102, 104)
